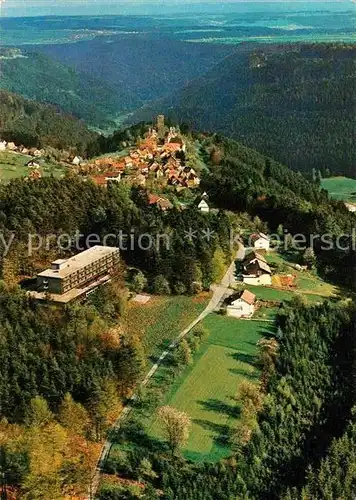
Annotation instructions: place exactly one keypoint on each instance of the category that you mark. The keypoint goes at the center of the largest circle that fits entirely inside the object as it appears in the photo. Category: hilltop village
(160, 156)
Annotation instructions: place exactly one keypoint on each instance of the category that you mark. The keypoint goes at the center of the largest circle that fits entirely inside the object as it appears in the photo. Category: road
(219, 292)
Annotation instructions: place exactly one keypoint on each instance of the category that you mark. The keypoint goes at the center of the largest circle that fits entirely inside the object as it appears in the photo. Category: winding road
(219, 292)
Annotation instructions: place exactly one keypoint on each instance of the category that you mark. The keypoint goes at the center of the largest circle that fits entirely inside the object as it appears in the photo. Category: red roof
(100, 180)
(153, 198)
(248, 297)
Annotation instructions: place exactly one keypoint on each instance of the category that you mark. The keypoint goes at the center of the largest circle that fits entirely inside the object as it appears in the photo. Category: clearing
(13, 165)
(160, 320)
(340, 188)
(206, 389)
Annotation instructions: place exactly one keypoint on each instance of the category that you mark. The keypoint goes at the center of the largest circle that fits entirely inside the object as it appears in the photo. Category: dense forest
(37, 125)
(38, 77)
(295, 104)
(139, 64)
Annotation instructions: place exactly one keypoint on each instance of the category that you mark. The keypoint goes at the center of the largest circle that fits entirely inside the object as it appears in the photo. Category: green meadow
(13, 165)
(340, 188)
(206, 389)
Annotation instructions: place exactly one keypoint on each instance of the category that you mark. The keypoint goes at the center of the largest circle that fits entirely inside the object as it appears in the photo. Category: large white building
(68, 279)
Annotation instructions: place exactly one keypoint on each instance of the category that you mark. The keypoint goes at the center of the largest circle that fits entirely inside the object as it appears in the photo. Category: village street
(219, 292)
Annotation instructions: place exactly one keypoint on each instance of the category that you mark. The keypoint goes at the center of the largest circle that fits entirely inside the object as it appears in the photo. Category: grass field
(206, 390)
(340, 188)
(308, 283)
(161, 320)
(13, 165)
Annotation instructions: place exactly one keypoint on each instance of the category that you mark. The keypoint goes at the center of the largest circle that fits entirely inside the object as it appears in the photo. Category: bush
(195, 288)
(179, 288)
(161, 286)
(139, 282)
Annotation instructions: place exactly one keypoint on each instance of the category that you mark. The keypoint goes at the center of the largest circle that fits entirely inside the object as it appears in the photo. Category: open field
(308, 283)
(206, 390)
(161, 319)
(340, 188)
(13, 165)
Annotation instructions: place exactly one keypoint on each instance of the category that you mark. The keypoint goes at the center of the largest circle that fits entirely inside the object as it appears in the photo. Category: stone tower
(161, 129)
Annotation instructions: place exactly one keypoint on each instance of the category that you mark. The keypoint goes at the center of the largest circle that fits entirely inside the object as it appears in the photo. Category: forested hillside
(38, 77)
(33, 124)
(295, 104)
(148, 68)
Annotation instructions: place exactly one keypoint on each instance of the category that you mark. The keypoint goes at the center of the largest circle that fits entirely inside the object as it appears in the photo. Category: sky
(151, 7)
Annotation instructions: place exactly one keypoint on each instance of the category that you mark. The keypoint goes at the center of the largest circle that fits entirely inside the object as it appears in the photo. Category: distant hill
(34, 124)
(37, 76)
(148, 68)
(295, 103)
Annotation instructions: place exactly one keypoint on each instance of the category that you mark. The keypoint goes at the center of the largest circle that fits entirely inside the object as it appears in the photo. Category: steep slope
(34, 124)
(38, 77)
(148, 68)
(296, 104)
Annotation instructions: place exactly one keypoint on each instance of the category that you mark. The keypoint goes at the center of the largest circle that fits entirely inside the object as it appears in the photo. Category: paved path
(219, 292)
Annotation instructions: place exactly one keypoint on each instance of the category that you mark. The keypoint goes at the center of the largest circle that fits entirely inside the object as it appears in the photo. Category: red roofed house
(104, 180)
(243, 306)
(161, 203)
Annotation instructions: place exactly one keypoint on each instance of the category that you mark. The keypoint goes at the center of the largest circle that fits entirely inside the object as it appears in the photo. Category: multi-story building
(70, 278)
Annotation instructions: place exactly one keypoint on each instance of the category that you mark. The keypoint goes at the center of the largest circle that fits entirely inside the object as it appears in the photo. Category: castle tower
(161, 129)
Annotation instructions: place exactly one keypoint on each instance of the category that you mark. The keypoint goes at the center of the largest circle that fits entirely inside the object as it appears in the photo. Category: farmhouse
(260, 241)
(70, 278)
(243, 306)
(256, 271)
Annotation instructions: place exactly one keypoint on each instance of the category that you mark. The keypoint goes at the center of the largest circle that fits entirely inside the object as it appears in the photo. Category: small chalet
(203, 206)
(260, 241)
(77, 160)
(32, 164)
(243, 306)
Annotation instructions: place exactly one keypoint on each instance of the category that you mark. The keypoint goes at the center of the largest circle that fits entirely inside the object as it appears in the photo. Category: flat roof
(78, 261)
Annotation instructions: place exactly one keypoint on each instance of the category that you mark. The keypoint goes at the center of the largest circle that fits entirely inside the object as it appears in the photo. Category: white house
(260, 241)
(11, 146)
(242, 307)
(77, 160)
(32, 164)
(350, 207)
(2, 145)
(203, 206)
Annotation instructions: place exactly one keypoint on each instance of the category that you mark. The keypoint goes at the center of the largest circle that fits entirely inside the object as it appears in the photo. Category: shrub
(161, 286)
